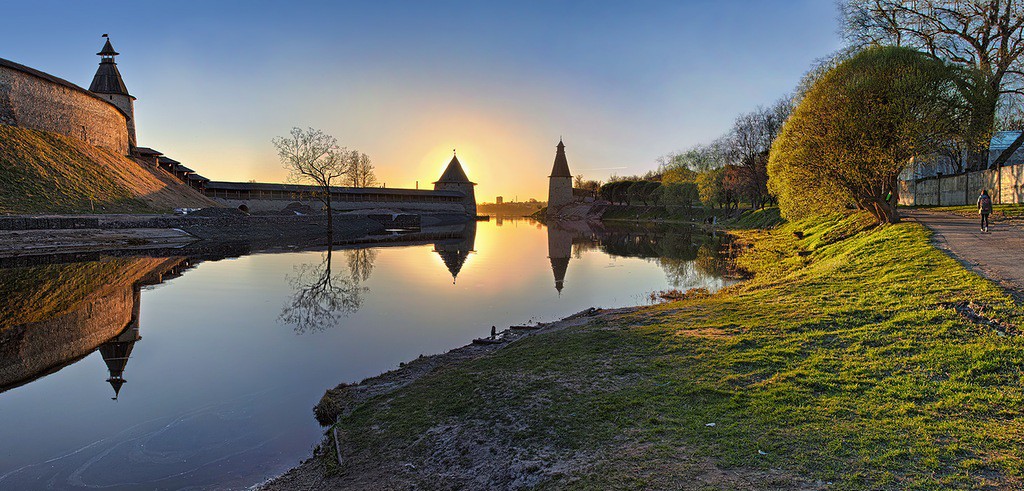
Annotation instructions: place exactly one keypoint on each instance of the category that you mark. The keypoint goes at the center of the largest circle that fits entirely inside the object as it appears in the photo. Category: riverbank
(855, 358)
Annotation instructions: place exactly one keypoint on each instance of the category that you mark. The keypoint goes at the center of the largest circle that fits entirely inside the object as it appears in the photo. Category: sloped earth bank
(846, 362)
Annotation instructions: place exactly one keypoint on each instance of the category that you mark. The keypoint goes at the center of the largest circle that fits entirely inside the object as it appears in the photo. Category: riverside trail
(997, 255)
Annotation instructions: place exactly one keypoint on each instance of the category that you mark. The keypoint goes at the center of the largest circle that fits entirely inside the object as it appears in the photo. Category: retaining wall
(33, 99)
(1005, 185)
(269, 205)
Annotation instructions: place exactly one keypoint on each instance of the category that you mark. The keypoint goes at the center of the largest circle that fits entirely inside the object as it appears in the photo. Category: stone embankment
(20, 236)
(202, 229)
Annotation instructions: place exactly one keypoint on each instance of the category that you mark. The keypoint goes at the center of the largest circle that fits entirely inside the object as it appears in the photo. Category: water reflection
(455, 250)
(686, 254)
(321, 297)
(56, 314)
(214, 392)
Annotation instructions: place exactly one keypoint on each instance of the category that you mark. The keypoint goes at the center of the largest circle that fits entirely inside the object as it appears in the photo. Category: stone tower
(560, 181)
(454, 179)
(107, 84)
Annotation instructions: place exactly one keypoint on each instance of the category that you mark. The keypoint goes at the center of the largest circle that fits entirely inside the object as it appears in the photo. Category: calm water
(217, 364)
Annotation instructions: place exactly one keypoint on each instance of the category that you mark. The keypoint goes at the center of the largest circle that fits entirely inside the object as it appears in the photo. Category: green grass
(43, 172)
(757, 219)
(841, 360)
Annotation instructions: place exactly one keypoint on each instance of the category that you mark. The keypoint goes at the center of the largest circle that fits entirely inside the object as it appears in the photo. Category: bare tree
(314, 156)
(360, 263)
(320, 298)
(748, 146)
(985, 35)
(361, 173)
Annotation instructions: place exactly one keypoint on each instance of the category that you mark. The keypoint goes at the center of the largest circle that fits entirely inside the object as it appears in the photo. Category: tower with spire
(107, 84)
(455, 179)
(560, 181)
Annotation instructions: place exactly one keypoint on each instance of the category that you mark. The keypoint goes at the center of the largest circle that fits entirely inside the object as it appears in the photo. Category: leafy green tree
(987, 36)
(710, 189)
(859, 126)
(679, 194)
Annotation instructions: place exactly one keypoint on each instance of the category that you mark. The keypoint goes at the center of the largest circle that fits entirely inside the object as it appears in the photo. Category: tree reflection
(360, 263)
(322, 298)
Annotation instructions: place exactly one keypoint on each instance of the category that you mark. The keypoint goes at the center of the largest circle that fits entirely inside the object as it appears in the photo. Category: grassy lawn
(840, 362)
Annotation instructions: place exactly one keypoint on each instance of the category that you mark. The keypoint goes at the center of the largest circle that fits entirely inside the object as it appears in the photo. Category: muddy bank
(335, 466)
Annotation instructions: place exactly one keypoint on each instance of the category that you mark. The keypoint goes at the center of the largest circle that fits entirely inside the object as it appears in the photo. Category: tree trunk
(882, 210)
(330, 213)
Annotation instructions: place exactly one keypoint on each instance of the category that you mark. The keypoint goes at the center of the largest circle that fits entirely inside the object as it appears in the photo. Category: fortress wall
(31, 101)
(269, 205)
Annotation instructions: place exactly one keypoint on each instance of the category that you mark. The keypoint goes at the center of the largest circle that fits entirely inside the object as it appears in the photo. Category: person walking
(985, 208)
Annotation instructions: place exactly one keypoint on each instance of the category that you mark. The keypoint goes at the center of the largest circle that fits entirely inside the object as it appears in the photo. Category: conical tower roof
(561, 167)
(454, 172)
(108, 49)
(108, 79)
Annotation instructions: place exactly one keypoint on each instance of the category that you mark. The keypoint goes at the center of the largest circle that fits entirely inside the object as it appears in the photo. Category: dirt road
(997, 255)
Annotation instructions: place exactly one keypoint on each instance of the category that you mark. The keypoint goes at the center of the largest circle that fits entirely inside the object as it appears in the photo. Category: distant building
(942, 164)
(560, 181)
(499, 200)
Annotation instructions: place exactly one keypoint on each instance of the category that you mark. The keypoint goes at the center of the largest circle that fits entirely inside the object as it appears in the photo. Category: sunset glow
(500, 83)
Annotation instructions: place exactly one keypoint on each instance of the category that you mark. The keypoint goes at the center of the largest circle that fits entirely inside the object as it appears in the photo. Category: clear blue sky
(405, 82)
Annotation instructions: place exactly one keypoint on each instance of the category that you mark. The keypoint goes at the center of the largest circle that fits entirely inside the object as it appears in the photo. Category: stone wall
(271, 205)
(1005, 185)
(33, 99)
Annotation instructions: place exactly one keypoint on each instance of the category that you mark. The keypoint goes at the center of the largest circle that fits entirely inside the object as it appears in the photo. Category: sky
(622, 83)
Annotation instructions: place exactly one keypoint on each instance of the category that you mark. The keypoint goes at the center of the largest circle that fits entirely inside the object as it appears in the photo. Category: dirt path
(997, 255)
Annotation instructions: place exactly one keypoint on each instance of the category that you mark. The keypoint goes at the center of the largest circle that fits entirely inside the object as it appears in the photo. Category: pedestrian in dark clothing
(985, 208)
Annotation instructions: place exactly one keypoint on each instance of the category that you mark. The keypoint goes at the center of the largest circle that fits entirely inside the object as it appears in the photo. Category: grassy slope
(42, 172)
(843, 364)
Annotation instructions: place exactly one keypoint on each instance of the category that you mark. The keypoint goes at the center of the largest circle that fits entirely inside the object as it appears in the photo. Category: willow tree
(985, 35)
(859, 125)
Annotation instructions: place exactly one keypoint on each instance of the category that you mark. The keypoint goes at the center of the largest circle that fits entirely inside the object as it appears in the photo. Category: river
(200, 372)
